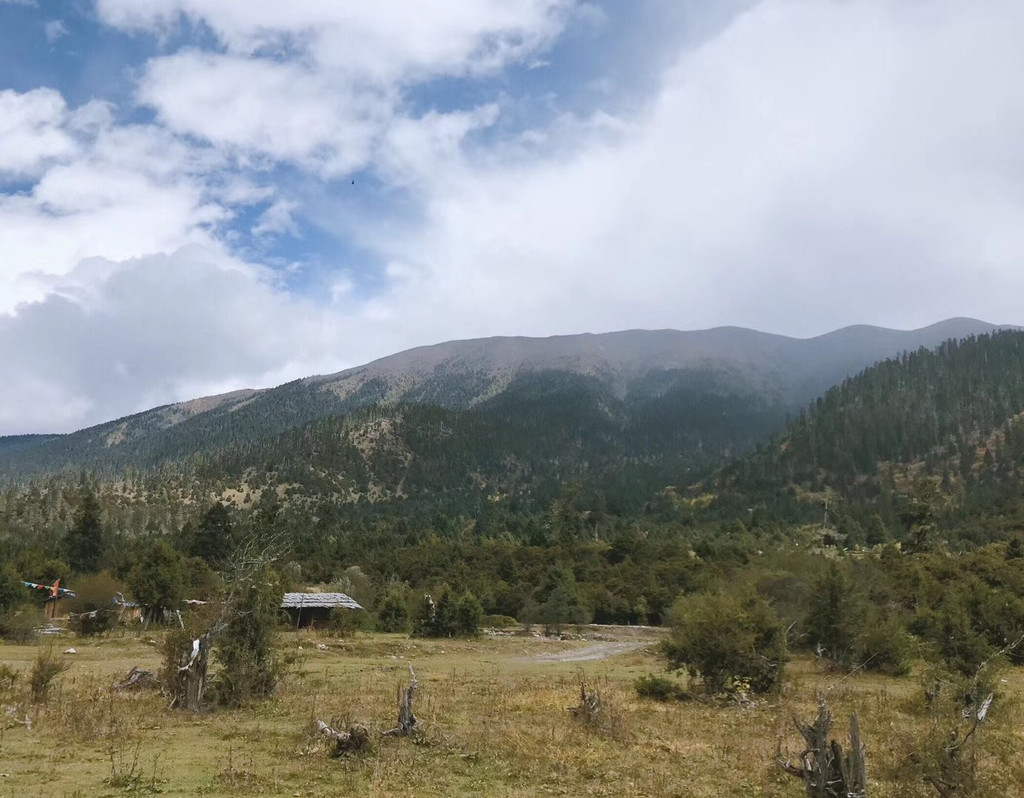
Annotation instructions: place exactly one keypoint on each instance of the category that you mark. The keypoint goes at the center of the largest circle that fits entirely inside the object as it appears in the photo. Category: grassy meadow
(494, 721)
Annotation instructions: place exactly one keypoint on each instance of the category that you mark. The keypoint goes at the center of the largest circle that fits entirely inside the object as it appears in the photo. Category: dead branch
(12, 713)
(407, 723)
(825, 771)
(137, 679)
(589, 708)
(355, 739)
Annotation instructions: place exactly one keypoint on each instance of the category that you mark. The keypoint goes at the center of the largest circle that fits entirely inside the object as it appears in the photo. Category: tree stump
(407, 723)
(825, 771)
(189, 684)
(355, 739)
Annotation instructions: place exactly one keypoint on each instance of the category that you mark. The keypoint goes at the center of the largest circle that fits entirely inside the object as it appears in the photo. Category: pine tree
(84, 542)
(213, 539)
(159, 579)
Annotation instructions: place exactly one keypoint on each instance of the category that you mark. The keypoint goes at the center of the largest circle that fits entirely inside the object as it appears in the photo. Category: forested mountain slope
(943, 428)
(522, 446)
(668, 373)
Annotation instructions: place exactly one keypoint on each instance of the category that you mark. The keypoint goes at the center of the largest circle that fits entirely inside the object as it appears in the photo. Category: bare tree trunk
(407, 723)
(190, 681)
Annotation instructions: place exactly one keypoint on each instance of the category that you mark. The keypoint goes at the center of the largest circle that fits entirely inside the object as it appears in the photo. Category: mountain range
(727, 388)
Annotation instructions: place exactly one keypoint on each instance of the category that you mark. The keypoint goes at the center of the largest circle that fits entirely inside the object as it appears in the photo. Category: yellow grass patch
(494, 717)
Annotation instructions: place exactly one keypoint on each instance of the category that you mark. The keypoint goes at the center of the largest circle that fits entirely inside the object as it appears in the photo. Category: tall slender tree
(85, 540)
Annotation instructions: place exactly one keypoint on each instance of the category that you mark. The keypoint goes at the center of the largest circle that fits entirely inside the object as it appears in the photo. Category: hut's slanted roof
(297, 600)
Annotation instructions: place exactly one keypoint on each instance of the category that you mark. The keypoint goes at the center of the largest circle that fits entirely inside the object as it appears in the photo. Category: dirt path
(585, 654)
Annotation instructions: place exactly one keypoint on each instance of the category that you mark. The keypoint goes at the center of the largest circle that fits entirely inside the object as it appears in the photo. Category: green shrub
(661, 688)
(393, 614)
(95, 592)
(159, 579)
(20, 626)
(45, 670)
(722, 639)
(8, 678)
(451, 616)
(92, 623)
(12, 591)
(249, 664)
(424, 623)
(499, 622)
(884, 646)
(345, 622)
(468, 615)
(835, 617)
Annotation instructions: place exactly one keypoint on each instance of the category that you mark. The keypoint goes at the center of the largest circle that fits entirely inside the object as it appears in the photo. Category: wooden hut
(314, 609)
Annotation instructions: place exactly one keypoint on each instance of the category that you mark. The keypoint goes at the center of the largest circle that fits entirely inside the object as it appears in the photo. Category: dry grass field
(494, 717)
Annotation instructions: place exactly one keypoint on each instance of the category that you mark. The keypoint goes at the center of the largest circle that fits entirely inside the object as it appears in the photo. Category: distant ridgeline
(942, 427)
(699, 395)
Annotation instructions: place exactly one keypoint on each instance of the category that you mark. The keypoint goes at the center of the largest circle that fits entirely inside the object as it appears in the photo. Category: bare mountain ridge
(630, 365)
(796, 370)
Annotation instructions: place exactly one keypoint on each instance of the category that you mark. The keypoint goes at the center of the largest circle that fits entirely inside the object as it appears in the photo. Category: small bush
(8, 678)
(451, 616)
(661, 688)
(885, 647)
(468, 615)
(500, 622)
(600, 713)
(45, 670)
(95, 592)
(952, 747)
(345, 622)
(393, 615)
(723, 639)
(19, 626)
(93, 623)
(12, 591)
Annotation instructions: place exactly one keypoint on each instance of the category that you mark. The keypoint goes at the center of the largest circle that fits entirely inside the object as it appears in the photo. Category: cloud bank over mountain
(197, 195)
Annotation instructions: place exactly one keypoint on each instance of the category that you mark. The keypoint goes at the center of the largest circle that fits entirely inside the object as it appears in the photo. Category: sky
(203, 195)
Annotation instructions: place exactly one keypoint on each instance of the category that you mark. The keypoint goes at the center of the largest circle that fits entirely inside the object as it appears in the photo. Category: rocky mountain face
(755, 379)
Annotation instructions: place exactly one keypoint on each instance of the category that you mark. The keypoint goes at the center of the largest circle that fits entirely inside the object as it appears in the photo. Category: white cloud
(817, 164)
(32, 130)
(263, 107)
(320, 84)
(381, 42)
(278, 218)
(117, 337)
(55, 29)
(414, 152)
(116, 192)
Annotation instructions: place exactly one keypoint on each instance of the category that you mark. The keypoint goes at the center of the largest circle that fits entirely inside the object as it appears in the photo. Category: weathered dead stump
(588, 711)
(355, 739)
(824, 769)
(189, 683)
(407, 723)
(137, 679)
